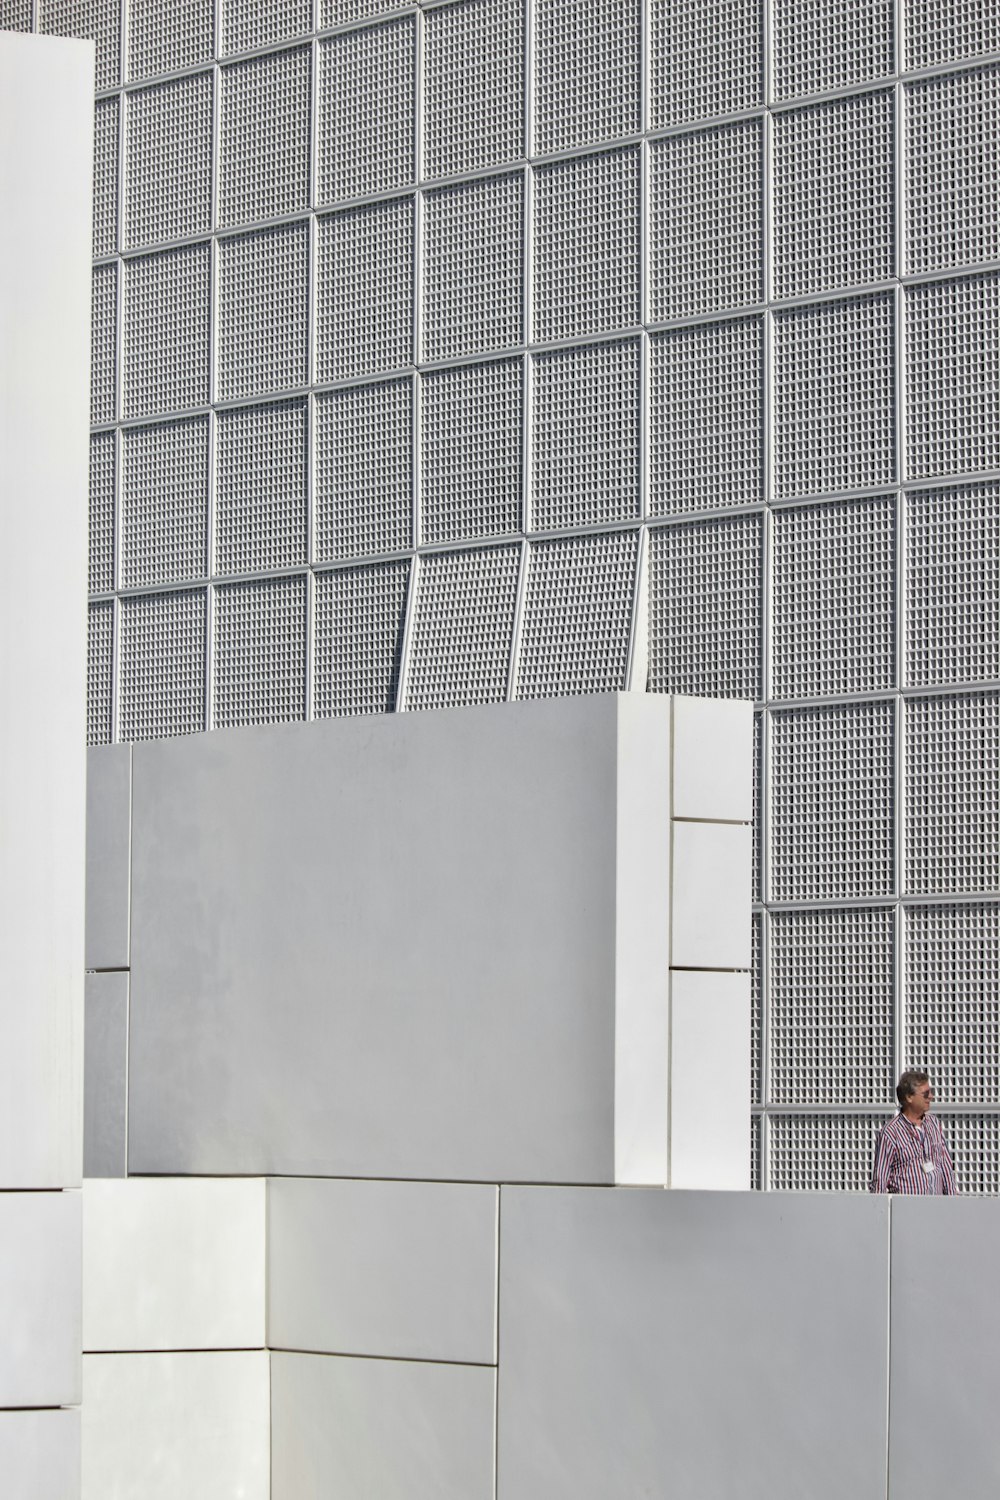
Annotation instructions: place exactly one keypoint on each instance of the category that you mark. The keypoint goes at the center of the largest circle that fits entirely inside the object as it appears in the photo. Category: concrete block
(40, 1454)
(160, 1426)
(105, 1075)
(173, 1263)
(40, 1299)
(945, 1331)
(709, 1080)
(401, 1269)
(381, 1428)
(710, 919)
(713, 760)
(109, 814)
(682, 1344)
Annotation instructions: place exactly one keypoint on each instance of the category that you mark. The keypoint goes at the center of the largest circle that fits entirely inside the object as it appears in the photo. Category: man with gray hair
(912, 1154)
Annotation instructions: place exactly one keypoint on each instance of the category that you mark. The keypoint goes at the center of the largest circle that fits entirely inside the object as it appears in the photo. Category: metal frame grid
(804, 456)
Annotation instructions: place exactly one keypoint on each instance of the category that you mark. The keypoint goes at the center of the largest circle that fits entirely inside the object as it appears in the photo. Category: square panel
(834, 223)
(834, 396)
(367, 88)
(833, 614)
(831, 834)
(259, 671)
(472, 270)
(260, 490)
(364, 462)
(586, 246)
(706, 417)
(952, 185)
(364, 317)
(706, 59)
(162, 665)
(952, 832)
(463, 626)
(586, 82)
(585, 436)
(471, 452)
(756, 1147)
(706, 221)
(830, 999)
(941, 31)
(167, 331)
(704, 608)
(822, 1153)
(578, 615)
(953, 585)
(974, 1142)
(168, 166)
(162, 41)
(822, 45)
(101, 525)
(360, 614)
(15, 15)
(97, 21)
(473, 86)
(103, 360)
(952, 999)
(953, 377)
(264, 137)
(264, 311)
(249, 24)
(106, 177)
(164, 502)
(756, 1007)
(100, 644)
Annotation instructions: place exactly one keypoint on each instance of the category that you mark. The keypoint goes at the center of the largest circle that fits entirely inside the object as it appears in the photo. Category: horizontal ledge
(393, 1359)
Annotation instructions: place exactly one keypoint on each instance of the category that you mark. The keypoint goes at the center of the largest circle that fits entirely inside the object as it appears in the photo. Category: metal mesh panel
(821, 45)
(953, 377)
(953, 794)
(755, 1151)
(264, 311)
(359, 637)
(471, 423)
(586, 72)
(335, 12)
(953, 999)
(834, 397)
(705, 418)
(103, 364)
(162, 665)
(366, 111)
(974, 1141)
(101, 530)
(833, 195)
(704, 608)
(585, 463)
(578, 614)
(706, 249)
(473, 86)
(756, 1008)
(952, 186)
(259, 674)
(831, 1006)
(365, 291)
(160, 41)
(264, 138)
(756, 873)
(706, 59)
(586, 245)
(462, 628)
(105, 238)
(247, 24)
(166, 331)
(940, 31)
(472, 268)
(364, 483)
(100, 638)
(168, 170)
(260, 505)
(15, 15)
(824, 1153)
(95, 20)
(953, 585)
(164, 502)
(833, 605)
(831, 822)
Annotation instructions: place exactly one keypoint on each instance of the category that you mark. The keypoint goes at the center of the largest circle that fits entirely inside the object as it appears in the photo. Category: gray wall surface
(109, 794)
(105, 1060)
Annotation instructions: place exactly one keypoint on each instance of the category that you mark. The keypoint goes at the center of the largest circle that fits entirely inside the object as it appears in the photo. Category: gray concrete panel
(109, 811)
(40, 1314)
(403, 1269)
(944, 1391)
(389, 1429)
(40, 1454)
(105, 1075)
(680, 1344)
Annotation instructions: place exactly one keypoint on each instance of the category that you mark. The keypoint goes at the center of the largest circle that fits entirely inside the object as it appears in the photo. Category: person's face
(921, 1099)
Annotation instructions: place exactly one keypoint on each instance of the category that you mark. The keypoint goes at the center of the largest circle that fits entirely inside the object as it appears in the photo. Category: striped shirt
(900, 1156)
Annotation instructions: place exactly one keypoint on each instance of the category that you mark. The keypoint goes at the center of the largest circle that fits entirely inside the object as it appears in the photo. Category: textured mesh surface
(823, 1153)
(952, 829)
(952, 186)
(168, 161)
(585, 465)
(472, 288)
(706, 58)
(263, 311)
(953, 585)
(359, 634)
(463, 627)
(247, 24)
(105, 176)
(365, 291)
(586, 72)
(162, 665)
(578, 614)
(103, 362)
(260, 504)
(366, 111)
(164, 502)
(162, 39)
(100, 639)
(939, 31)
(975, 1147)
(471, 452)
(953, 377)
(756, 1007)
(166, 331)
(821, 45)
(952, 1004)
(364, 460)
(264, 137)
(259, 672)
(15, 15)
(94, 20)
(101, 527)
(473, 86)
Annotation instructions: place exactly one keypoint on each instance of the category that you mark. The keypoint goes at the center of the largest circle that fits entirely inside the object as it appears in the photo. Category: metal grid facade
(435, 344)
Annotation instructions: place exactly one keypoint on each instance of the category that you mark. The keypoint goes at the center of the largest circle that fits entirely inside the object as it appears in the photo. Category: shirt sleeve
(884, 1153)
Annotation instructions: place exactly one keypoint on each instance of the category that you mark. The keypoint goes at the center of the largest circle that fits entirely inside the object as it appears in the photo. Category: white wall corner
(713, 759)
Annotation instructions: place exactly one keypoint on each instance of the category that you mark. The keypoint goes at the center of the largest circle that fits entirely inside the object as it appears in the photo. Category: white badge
(928, 1167)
